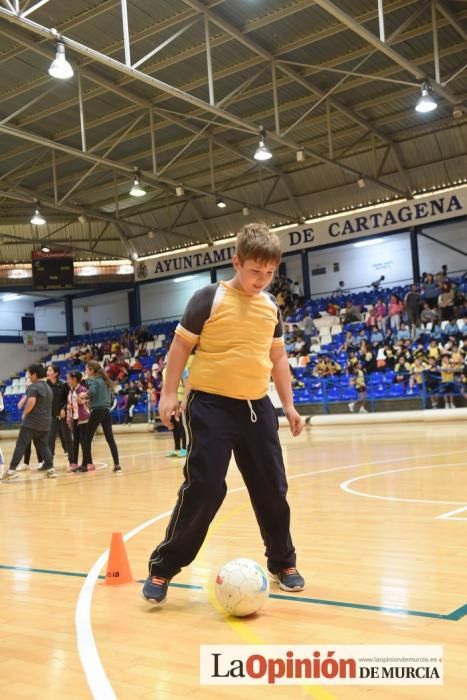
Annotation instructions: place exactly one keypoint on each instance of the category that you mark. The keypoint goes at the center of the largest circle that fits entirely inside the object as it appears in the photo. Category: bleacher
(15, 387)
(322, 392)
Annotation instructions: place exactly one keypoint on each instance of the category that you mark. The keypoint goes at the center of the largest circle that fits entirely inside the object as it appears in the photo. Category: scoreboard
(53, 270)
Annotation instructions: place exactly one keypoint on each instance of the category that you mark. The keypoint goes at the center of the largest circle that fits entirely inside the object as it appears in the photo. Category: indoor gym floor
(379, 521)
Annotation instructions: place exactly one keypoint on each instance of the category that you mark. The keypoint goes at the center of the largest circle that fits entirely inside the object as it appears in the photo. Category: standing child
(35, 425)
(237, 327)
(77, 416)
(100, 392)
(177, 425)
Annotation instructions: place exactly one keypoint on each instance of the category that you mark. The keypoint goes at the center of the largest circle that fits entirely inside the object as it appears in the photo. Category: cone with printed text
(118, 567)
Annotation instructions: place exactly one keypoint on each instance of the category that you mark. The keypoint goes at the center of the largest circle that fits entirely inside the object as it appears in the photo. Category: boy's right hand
(168, 407)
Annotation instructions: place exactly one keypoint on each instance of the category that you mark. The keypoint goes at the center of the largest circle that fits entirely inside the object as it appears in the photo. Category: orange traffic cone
(118, 568)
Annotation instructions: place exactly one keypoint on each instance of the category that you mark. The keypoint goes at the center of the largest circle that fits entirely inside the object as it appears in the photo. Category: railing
(341, 392)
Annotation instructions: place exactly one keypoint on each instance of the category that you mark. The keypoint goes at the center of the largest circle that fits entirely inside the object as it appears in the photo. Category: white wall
(293, 266)
(102, 311)
(167, 299)
(51, 318)
(433, 255)
(360, 266)
(11, 313)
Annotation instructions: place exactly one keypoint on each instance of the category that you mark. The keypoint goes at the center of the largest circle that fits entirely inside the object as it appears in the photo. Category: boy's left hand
(295, 421)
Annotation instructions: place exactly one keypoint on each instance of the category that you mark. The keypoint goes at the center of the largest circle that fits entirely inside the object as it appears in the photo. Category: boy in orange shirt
(237, 328)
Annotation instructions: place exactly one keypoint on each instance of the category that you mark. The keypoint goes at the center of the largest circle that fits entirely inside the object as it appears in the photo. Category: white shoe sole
(154, 603)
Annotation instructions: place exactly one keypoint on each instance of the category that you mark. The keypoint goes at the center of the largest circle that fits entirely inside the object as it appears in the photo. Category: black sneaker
(289, 579)
(117, 468)
(42, 468)
(155, 590)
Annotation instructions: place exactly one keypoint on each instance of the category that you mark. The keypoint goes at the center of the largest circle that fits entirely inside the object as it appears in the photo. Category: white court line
(98, 681)
(448, 516)
(345, 486)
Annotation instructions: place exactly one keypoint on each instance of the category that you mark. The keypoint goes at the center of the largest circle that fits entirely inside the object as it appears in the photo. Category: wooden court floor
(379, 524)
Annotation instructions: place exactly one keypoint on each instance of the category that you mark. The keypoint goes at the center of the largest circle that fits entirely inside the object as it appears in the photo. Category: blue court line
(454, 616)
(77, 574)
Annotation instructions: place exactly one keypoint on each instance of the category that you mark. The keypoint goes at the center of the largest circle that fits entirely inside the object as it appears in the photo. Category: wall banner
(341, 228)
(35, 340)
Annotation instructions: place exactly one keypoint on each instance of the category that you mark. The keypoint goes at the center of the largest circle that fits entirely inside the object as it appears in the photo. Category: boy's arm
(281, 376)
(176, 360)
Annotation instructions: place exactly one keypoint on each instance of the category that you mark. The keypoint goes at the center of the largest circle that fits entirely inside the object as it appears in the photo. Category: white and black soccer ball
(242, 587)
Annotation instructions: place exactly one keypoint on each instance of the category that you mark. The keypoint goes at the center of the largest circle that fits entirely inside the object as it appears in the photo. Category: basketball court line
(345, 486)
(454, 615)
(96, 677)
(98, 681)
(450, 514)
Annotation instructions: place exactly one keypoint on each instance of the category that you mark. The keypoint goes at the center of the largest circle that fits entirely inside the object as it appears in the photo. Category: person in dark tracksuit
(58, 424)
(237, 328)
(35, 424)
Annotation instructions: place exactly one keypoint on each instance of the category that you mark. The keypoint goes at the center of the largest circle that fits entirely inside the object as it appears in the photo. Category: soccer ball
(242, 587)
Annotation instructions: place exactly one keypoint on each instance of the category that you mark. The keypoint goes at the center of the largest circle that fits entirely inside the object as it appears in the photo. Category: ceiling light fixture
(426, 103)
(45, 249)
(361, 182)
(262, 153)
(371, 241)
(179, 191)
(137, 190)
(60, 68)
(220, 203)
(300, 156)
(37, 219)
(245, 211)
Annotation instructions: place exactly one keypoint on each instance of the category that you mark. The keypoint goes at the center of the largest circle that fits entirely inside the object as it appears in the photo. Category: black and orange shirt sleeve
(196, 314)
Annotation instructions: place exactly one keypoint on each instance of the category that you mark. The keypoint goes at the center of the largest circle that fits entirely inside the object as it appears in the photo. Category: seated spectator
(141, 351)
(376, 336)
(381, 358)
(416, 373)
(142, 336)
(304, 358)
(457, 359)
(434, 351)
(296, 383)
(428, 314)
(351, 313)
(452, 328)
(403, 370)
(403, 333)
(299, 345)
(390, 356)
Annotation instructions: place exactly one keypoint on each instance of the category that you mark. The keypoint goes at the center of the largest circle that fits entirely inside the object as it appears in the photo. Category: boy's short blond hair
(257, 242)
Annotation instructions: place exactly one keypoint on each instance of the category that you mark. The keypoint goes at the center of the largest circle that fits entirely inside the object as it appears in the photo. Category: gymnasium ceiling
(337, 80)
